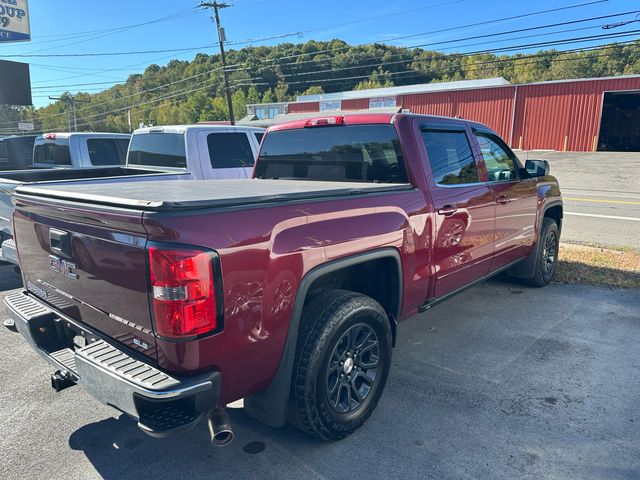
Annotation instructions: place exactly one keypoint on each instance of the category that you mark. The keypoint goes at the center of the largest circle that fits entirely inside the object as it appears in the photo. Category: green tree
(313, 90)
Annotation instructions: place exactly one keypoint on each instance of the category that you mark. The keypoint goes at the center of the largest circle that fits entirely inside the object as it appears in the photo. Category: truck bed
(206, 193)
(57, 174)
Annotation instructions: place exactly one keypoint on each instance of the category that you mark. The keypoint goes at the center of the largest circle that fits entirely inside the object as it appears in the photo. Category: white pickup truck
(186, 152)
(206, 151)
(80, 150)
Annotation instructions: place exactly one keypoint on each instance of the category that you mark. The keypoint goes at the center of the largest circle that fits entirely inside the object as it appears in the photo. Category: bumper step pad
(66, 358)
(119, 363)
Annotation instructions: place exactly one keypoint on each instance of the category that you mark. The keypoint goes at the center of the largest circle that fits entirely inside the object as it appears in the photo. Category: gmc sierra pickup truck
(284, 290)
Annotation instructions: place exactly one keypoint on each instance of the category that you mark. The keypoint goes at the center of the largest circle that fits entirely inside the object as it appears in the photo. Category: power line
(334, 49)
(601, 17)
(112, 31)
(495, 34)
(528, 57)
(450, 56)
(533, 58)
(106, 54)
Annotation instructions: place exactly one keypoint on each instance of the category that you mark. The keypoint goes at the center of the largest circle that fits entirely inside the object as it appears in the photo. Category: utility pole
(70, 100)
(221, 39)
(66, 103)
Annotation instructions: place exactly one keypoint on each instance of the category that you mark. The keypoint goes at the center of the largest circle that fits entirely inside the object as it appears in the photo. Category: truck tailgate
(90, 264)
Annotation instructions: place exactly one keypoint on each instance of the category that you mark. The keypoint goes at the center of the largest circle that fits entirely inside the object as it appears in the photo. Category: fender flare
(554, 203)
(526, 268)
(272, 404)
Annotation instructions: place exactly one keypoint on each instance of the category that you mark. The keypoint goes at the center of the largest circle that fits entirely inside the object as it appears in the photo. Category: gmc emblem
(63, 267)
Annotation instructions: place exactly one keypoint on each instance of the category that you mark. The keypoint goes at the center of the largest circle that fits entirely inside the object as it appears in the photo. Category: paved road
(475, 392)
(601, 193)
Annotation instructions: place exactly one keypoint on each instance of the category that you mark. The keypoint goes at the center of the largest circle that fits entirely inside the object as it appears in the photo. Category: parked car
(16, 152)
(154, 154)
(285, 290)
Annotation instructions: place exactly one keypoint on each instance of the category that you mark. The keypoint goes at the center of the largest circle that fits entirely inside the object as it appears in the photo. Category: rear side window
(158, 150)
(352, 153)
(450, 156)
(229, 150)
(259, 136)
(107, 151)
(52, 152)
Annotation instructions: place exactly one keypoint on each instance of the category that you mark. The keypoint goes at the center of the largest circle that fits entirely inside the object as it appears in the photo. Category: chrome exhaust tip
(220, 429)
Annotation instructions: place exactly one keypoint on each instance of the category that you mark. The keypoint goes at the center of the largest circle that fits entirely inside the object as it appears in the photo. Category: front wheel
(342, 364)
(546, 254)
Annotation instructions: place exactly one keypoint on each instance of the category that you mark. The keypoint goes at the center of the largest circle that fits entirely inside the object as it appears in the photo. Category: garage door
(620, 124)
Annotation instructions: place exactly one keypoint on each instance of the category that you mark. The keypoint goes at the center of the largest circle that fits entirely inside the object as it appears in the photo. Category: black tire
(334, 321)
(547, 249)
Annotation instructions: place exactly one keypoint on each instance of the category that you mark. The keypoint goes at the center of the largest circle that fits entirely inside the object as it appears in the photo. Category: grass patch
(590, 265)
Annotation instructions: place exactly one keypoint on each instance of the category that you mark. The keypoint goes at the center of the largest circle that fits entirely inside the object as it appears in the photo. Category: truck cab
(80, 150)
(204, 151)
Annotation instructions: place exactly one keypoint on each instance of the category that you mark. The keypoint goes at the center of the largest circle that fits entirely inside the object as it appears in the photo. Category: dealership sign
(14, 21)
(382, 102)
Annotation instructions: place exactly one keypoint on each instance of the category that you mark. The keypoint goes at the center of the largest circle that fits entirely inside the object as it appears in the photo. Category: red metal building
(568, 115)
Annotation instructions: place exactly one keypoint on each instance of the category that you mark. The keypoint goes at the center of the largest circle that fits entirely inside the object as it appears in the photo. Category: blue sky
(60, 27)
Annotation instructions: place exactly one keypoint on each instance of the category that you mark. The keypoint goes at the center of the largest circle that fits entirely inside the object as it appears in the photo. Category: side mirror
(537, 168)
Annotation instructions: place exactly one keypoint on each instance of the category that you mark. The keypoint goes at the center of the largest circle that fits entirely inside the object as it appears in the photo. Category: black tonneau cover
(57, 174)
(177, 194)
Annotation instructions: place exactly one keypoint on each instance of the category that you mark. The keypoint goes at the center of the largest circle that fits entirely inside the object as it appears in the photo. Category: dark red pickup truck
(286, 289)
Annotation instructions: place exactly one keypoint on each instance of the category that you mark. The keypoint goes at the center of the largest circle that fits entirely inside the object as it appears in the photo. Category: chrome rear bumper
(162, 403)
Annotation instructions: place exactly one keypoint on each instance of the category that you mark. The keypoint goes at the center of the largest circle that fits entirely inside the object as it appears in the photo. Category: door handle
(447, 210)
(502, 200)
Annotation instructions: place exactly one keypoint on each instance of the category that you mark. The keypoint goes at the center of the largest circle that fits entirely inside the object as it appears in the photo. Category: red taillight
(324, 122)
(50, 136)
(184, 299)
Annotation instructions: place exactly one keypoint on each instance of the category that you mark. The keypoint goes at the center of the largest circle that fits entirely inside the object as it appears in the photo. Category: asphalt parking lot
(601, 194)
(505, 382)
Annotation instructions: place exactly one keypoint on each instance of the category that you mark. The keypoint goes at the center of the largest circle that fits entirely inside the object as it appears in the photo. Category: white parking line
(611, 217)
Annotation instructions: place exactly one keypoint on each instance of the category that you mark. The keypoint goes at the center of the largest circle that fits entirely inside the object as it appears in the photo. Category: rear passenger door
(231, 154)
(515, 200)
(464, 211)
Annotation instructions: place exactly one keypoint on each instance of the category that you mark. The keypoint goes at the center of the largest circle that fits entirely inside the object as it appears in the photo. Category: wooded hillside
(191, 91)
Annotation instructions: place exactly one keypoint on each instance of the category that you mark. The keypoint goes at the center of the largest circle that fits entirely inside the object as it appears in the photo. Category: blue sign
(14, 21)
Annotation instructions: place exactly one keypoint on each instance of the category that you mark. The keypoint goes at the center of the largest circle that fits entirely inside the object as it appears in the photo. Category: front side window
(158, 150)
(230, 150)
(499, 164)
(349, 153)
(450, 156)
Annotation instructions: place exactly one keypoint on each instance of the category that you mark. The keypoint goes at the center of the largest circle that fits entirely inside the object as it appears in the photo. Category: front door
(464, 210)
(515, 201)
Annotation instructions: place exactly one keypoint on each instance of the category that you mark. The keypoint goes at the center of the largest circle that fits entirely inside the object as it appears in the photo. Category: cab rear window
(164, 150)
(352, 153)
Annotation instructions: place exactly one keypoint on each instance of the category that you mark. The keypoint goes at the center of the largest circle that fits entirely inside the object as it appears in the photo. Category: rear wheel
(546, 254)
(342, 364)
